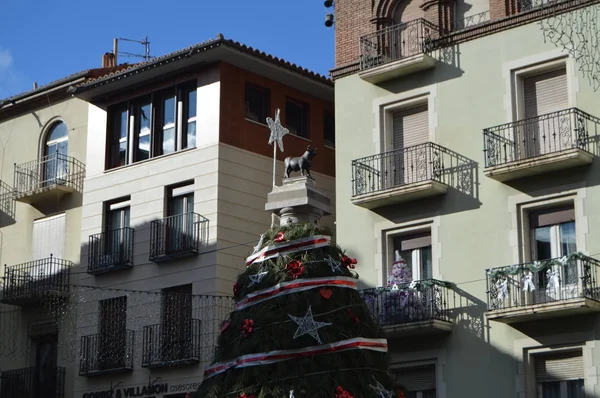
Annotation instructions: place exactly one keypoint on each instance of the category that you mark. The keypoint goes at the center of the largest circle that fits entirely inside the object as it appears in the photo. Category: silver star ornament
(308, 325)
(277, 131)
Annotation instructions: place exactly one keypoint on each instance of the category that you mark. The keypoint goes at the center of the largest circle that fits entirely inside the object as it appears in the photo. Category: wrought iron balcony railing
(177, 236)
(7, 200)
(472, 20)
(170, 343)
(405, 166)
(33, 383)
(396, 42)
(110, 250)
(540, 282)
(110, 352)
(48, 276)
(48, 172)
(417, 301)
(540, 135)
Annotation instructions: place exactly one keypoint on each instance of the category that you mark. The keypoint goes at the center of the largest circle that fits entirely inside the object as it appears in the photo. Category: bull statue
(301, 164)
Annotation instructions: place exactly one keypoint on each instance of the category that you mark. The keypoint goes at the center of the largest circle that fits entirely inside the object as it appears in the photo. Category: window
(559, 375)
(113, 333)
(417, 381)
(257, 103)
(157, 124)
(49, 237)
(118, 238)
(176, 323)
(180, 221)
(329, 128)
(553, 236)
(415, 250)
(55, 164)
(296, 118)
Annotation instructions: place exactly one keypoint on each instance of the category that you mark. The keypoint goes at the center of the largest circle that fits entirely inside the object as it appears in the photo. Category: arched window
(408, 10)
(56, 147)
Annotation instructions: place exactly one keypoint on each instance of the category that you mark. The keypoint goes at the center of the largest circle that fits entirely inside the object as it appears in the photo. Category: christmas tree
(400, 272)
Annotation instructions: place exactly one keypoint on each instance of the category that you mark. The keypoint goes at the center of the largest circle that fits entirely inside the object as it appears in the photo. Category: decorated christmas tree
(400, 272)
(300, 327)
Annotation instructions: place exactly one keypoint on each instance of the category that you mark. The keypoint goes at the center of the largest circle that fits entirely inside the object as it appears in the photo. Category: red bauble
(279, 237)
(295, 268)
(348, 262)
(341, 393)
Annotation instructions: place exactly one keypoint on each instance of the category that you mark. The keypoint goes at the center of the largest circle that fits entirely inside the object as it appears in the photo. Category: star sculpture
(257, 278)
(380, 391)
(308, 325)
(335, 265)
(259, 244)
(277, 131)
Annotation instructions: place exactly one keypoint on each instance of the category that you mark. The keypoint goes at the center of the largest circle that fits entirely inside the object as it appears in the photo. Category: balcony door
(117, 236)
(55, 166)
(408, 163)
(46, 358)
(176, 330)
(554, 237)
(112, 344)
(180, 223)
(544, 93)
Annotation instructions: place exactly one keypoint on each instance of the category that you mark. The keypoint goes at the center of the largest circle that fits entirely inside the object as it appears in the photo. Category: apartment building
(42, 167)
(466, 166)
(178, 169)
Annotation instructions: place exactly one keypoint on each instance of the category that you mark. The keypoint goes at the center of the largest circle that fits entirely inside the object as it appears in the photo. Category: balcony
(110, 251)
(7, 204)
(544, 289)
(540, 144)
(48, 179)
(30, 283)
(407, 174)
(171, 344)
(397, 50)
(419, 307)
(107, 353)
(33, 383)
(177, 236)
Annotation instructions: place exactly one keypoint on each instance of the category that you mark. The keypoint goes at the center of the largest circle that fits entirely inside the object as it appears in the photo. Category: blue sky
(44, 40)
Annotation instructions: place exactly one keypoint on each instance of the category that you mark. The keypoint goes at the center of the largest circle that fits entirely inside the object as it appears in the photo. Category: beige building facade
(472, 155)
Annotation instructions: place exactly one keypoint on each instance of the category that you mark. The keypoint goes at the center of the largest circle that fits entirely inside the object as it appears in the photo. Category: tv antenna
(146, 55)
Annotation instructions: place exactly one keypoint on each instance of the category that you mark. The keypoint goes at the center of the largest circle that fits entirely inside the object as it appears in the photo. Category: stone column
(298, 201)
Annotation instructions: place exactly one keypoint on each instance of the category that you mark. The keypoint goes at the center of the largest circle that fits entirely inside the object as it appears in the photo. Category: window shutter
(49, 237)
(557, 367)
(552, 216)
(545, 93)
(416, 379)
(410, 127)
(412, 241)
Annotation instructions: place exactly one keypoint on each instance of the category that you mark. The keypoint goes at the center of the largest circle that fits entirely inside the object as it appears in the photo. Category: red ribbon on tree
(354, 317)
(341, 393)
(247, 327)
(295, 268)
(348, 262)
(279, 237)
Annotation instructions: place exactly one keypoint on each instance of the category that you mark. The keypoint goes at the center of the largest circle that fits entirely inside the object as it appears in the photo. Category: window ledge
(141, 162)
(255, 122)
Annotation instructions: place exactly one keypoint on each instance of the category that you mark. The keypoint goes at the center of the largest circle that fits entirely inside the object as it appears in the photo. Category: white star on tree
(335, 265)
(257, 278)
(260, 243)
(308, 325)
(277, 131)
(380, 391)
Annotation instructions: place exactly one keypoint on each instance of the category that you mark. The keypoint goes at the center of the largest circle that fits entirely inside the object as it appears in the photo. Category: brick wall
(352, 20)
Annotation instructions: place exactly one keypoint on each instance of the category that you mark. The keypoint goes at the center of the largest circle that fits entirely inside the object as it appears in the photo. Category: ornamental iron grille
(411, 165)
(7, 200)
(110, 250)
(29, 281)
(472, 21)
(417, 301)
(540, 135)
(33, 383)
(545, 281)
(170, 344)
(48, 172)
(397, 42)
(177, 236)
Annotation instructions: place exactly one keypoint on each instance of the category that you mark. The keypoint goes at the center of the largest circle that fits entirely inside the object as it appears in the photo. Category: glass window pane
(169, 111)
(329, 129)
(59, 131)
(144, 130)
(122, 124)
(567, 238)
(191, 103)
(296, 118)
(191, 135)
(168, 145)
(256, 103)
(426, 263)
(122, 153)
(543, 246)
(575, 389)
(550, 389)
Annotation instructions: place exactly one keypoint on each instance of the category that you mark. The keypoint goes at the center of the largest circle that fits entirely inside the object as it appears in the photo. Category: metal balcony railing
(48, 276)
(396, 42)
(48, 172)
(7, 200)
(177, 236)
(529, 5)
(33, 383)
(540, 135)
(110, 250)
(106, 353)
(521, 285)
(405, 166)
(418, 301)
(170, 343)
(472, 20)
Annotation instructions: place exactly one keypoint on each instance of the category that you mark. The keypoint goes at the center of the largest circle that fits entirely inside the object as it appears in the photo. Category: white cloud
(6, 59)
(11, 80)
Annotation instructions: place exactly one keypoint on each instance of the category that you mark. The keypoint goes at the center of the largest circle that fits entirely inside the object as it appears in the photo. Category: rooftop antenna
(146, 56)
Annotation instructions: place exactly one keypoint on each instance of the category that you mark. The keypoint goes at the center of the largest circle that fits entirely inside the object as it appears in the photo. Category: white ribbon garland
(527, 280)
(502, 287)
